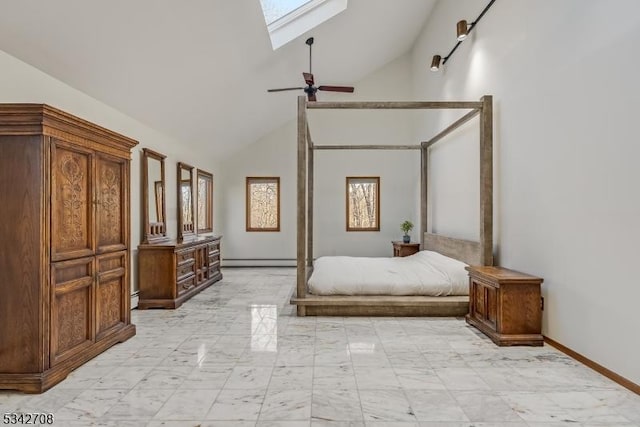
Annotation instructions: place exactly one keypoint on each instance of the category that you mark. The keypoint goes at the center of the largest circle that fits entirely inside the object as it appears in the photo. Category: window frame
(257, 179)
(209, 201)
(375, 179)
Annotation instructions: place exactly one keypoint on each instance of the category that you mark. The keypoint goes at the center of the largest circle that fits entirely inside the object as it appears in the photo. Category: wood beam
(310, 208)
(309, 200)
(424, 194)
(301, 278)
(453, 126)
(309, 140)
(486, 180)
(366, 147)
(410, 105)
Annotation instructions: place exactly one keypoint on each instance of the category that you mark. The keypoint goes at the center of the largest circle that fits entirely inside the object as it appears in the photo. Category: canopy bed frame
(473, 253)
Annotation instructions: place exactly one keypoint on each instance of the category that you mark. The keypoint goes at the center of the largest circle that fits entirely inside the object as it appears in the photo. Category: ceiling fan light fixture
(435, 63)
(310, 89)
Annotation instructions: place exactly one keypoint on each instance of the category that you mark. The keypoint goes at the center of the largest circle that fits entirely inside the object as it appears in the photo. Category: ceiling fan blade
(308, 78)
(311, 96)
(285, 88)
(348, 89)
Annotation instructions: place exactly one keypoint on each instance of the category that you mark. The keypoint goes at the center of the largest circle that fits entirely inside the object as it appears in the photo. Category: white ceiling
(198, 70)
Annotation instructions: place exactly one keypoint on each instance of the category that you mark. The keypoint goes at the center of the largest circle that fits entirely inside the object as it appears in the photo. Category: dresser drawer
(187, 268)
(183, 257)
(186, 284)
(214, 246)
(214, 264)
(214, 258)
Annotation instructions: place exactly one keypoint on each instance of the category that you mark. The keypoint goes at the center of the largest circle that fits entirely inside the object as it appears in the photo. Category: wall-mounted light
(462, 31)
(435, 62)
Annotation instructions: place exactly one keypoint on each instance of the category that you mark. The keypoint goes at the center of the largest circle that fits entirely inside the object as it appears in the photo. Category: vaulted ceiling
(198, 70)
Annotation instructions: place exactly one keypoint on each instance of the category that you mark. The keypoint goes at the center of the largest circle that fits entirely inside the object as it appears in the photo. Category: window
(205, 202)
(263, 204)
(363, 203)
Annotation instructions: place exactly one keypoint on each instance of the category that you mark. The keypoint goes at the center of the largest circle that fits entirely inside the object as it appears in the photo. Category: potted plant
(406, 227)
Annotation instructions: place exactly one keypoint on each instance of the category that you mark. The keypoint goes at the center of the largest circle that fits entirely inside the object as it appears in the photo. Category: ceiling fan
(310, 89)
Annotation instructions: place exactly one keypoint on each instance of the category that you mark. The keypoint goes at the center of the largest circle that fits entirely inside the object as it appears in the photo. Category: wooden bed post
(309, 200)
(301, 284)
(424, 191)
(486, 180)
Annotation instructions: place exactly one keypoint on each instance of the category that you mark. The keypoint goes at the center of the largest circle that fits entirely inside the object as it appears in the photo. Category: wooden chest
(506, 305)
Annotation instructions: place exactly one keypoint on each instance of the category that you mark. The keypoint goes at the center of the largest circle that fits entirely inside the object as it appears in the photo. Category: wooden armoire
(64, 244)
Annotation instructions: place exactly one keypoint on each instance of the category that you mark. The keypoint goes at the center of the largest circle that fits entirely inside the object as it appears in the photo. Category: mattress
(424, 273)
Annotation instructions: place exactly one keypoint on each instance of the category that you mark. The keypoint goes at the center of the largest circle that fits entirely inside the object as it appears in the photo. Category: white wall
(275, 155)
(564, 79)
(20, 82)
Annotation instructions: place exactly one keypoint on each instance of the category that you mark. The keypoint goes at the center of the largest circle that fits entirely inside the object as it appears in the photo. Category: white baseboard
(134, 300)
(258, 263)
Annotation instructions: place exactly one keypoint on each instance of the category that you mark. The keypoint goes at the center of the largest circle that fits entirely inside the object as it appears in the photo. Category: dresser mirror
(153, 196)
(186, 223)
(204, 202)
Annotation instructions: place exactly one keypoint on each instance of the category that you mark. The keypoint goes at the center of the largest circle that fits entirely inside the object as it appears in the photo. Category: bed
(380, 299)
(446, 253)
(425, 273)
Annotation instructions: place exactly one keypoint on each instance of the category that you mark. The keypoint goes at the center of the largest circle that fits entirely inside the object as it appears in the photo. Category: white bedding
(424, 273)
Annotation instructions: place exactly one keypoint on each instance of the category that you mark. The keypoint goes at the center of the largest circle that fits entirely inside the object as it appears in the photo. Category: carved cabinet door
(111, 292)
(112, 183)
(72, 218)
(484, 300)
(72, 313)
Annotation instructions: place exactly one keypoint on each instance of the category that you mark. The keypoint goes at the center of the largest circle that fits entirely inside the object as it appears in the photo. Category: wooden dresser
(64, 244)
(169, 273)
(506, 305)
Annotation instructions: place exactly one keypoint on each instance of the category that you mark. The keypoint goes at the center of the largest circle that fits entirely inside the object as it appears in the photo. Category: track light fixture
(462, 30)
(435, 63)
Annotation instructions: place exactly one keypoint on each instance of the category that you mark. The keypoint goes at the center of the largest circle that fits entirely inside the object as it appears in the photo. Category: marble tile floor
(236, 355)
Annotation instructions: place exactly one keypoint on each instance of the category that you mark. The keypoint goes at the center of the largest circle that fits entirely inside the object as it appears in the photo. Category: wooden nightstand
(505, 305)
(405, 249)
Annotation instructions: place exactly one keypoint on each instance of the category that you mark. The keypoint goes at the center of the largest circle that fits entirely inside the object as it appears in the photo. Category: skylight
(276, 9)
(288, 19)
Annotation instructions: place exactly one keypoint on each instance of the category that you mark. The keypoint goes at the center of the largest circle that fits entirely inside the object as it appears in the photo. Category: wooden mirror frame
(157, 230)
(185, 229)
(209, 202)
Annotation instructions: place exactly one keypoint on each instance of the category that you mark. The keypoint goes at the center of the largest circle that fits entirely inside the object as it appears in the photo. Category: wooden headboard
(466, 251)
